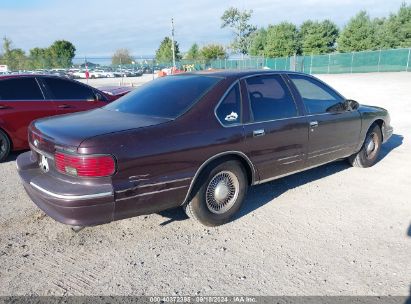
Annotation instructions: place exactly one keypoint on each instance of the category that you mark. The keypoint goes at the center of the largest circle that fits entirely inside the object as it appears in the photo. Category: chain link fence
(392, 60)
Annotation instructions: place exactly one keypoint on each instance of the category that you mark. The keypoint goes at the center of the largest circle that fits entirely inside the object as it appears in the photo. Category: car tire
(370, 150)
(220, 194)
(5, 146)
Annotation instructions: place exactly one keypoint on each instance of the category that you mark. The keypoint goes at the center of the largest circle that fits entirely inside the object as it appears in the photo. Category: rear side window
(229, 110)
(20, 89)
(66, 89)
(270, 98)
(166, 97)
(317, 97)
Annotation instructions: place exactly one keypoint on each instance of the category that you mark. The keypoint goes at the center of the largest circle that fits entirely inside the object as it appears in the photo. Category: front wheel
(220, 195)
(370, 150)
(4, 146)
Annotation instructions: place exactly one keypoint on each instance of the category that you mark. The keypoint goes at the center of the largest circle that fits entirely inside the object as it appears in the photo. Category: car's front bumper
(66, 201)
(387, 132)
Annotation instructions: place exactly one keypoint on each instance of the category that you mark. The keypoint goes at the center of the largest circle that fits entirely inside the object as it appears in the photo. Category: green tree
(40, 58)
(62, 53)
(58, 55)
(164, 52)
(358, 35)
(379, 25)
(404, 26)
(238, 21)
(6, 48)
(7, 44)
(396, 30)
(193, 53)
(258, 42)
(213, 51)
(282, 40)
(318, 37)
(15, 59)
(122, 56)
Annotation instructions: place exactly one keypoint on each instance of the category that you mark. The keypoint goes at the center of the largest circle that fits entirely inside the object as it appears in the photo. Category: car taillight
(86, 166)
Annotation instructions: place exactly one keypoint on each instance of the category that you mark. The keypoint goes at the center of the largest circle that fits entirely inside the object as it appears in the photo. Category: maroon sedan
(196, 140)
(24, 98)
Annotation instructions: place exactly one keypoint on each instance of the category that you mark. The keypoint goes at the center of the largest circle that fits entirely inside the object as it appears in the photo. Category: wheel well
(199, 177)
(380, 123)
(8, 136)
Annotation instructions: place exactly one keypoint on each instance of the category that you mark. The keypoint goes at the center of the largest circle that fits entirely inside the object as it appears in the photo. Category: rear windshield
(167, 97)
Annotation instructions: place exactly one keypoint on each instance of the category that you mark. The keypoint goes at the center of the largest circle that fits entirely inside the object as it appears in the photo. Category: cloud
(98, 27)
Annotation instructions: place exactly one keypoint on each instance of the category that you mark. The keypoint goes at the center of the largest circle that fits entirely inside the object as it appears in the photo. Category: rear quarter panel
(168, 155)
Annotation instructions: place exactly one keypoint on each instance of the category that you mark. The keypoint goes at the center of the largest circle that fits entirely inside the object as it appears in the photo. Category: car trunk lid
(115, 92)
(71, 130)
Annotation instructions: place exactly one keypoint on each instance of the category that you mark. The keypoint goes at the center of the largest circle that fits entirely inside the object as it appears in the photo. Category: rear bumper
(67, 202)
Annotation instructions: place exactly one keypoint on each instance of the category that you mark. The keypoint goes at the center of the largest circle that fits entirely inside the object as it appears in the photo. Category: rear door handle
(64, 106)
(313, 124)
(4, 107)
(258, 133)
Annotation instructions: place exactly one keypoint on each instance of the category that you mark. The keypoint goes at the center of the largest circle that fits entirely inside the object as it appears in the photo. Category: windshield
(167, 97)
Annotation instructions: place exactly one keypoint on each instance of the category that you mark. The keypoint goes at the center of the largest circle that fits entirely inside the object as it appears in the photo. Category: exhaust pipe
(77, 229)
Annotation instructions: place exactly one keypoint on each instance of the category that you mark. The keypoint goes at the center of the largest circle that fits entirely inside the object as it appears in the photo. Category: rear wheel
(220, 194)
(4, 146)
(370, 150)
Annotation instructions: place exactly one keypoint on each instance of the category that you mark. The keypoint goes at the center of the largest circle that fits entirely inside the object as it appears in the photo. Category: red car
(24, 98)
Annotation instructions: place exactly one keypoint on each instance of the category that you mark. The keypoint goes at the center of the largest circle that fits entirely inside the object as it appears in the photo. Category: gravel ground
(333, 230)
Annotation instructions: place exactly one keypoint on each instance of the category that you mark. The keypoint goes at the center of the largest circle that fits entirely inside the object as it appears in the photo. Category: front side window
(20, 89)
(62, 89)
(317, 97)
(229, 110)
(270, 98)
(166, 97)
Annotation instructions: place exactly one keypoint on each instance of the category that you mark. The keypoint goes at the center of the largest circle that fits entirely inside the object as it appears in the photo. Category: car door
(71, 96)
(21, 102)
(334, 130)
(277, 133)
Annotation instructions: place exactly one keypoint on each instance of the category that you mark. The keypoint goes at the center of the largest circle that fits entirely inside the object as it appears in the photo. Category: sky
(99, 27)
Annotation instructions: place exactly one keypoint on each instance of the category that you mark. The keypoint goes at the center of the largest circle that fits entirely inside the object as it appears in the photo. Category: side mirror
(351, 105)
(98, 97)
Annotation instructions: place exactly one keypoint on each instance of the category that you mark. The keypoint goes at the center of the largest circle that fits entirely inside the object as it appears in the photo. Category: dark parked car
(24, 98)
(196, 140)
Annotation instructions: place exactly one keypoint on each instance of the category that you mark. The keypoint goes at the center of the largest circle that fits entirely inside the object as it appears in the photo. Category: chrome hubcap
(371, 145)
(222, 192)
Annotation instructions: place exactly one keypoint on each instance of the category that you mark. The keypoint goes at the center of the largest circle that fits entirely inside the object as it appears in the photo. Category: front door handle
(260, 132)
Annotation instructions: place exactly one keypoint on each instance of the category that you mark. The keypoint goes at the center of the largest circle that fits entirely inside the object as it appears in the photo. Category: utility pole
(86, 66)
(172, 42)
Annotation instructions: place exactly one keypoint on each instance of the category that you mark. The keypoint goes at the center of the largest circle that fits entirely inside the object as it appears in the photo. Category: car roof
(217, 73)
(28, 75)
(237, 73)
(11, 76)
